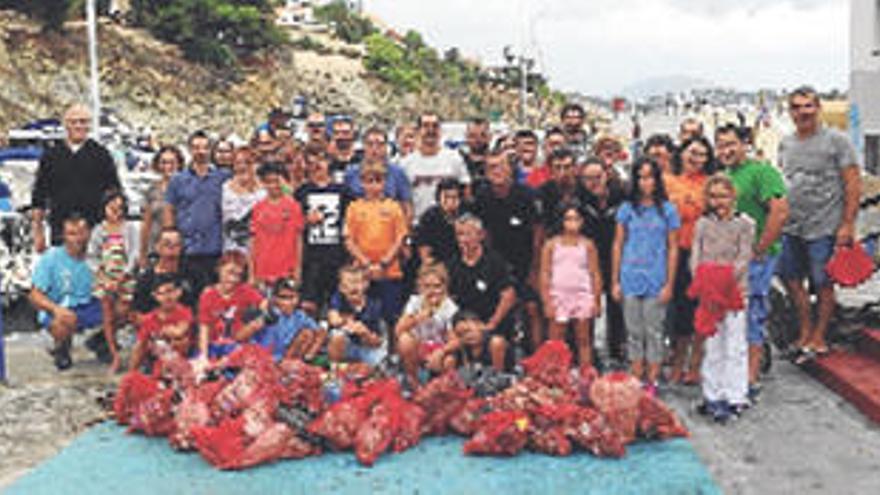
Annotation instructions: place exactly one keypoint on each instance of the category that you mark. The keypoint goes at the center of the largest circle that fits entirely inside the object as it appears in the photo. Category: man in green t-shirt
(760, 193)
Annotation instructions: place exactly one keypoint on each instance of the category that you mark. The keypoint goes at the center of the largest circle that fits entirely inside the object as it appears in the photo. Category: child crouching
(289, 331)
(170, 322)
(355, 319)
(423, 329)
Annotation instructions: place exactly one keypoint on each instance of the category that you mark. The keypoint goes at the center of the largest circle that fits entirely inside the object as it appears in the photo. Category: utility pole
(523, 66)
(92, 23)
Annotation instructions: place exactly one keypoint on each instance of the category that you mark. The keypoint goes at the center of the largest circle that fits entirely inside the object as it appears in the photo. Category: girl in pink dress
(571, 284)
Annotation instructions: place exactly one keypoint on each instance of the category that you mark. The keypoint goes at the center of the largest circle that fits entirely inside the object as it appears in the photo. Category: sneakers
(723, 412)
(61, 355)
(98, 344)
(754, 392)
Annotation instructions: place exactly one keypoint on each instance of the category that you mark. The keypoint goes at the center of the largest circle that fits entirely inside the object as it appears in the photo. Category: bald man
(71, 178)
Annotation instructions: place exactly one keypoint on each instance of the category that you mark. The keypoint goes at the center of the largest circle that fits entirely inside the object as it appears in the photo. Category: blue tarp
(105, 460)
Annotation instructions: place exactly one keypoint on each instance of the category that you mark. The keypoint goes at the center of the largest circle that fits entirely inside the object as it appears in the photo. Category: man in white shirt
(430, 164)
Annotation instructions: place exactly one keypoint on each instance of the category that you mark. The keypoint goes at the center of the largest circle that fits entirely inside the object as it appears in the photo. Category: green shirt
(756, 184)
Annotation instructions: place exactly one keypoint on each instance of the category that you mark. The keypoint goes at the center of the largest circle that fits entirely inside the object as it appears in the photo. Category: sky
(600, 47)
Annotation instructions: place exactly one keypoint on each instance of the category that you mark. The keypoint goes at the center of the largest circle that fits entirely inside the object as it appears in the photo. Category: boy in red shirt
(171, 322)
(222, 308)
(277, 225)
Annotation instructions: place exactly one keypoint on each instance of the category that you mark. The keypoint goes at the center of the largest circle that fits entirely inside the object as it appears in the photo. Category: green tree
(349, 26)
(212, 31)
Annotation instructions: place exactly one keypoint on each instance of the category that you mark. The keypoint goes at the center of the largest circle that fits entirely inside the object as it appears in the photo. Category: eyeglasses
(285, 297)
(591, 178)
(373, 179)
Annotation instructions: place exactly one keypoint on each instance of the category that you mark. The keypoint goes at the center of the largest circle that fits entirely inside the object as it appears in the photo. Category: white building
(865, 80)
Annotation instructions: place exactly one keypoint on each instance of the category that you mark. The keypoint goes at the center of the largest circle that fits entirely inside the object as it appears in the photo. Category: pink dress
(571, 286)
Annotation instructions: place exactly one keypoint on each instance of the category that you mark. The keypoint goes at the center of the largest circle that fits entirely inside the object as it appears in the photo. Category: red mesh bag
(588, 430)
(223, 445)
(194, 411)
(657, 421)
(715, 286)
(134, 388)
(409, 425)
(551, 441)
(441, 399)
(500, 433)
(466, 421)
(617, 395)
(248, 386)
(302, 385)
(154, 415)
(175, 369)
(550, 364)
(375, 435)
(340, 423)
(850, 265)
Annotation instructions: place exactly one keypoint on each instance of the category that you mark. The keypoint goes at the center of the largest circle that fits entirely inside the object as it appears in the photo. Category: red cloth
(850, 265)
(213, 307)
(154, 321)
(715, 285)
(277, 227)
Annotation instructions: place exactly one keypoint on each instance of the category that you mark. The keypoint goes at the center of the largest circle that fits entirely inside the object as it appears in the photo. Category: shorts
(356, 352)
(525, 293)
(573, 306)
(760, 276)
(428, 348)
(320, 277)
(803, 258)
(88, 315)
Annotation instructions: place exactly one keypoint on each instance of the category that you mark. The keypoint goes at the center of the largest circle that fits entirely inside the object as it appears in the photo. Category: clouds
(600, 46)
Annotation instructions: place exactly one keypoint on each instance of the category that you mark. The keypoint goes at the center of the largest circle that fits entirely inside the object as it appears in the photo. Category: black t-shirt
(510, 224)
(476, 164)
(551, 201)
(143, 292)
(478, 288)
(338, 167)
(435, 231)
(331, 201)
(600, 223)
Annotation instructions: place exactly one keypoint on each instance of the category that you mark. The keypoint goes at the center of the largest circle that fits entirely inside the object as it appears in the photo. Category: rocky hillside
(148, 83)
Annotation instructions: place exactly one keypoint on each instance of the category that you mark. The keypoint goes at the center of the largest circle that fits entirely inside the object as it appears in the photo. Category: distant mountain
(665, 84)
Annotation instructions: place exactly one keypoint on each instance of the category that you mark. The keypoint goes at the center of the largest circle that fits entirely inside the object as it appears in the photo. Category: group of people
(318, 249)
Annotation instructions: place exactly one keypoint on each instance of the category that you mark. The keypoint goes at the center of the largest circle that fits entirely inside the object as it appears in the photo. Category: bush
(348, 26)
(212, 31)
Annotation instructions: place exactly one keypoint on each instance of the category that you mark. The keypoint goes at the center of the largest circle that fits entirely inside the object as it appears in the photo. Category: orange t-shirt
(277, 229)
(686, 193)
(373, 226)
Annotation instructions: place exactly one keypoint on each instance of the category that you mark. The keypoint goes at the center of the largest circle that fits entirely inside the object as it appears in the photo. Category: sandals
(804, 355)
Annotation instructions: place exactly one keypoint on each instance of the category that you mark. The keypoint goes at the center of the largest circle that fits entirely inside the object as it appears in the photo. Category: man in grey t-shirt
(823, 179)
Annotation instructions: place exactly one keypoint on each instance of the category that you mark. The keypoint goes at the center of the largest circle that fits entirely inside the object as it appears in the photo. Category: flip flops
(804, 355)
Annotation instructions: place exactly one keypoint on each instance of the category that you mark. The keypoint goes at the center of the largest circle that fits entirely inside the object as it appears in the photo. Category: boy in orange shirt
(375, 230)
(277, 224)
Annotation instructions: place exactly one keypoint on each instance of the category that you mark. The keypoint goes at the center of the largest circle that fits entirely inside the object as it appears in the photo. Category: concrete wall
(865, 76)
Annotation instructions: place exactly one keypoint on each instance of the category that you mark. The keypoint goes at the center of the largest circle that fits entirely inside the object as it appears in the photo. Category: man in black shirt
(71, 177)
(602, 199)
(562, 189)
(169, 246)
(508, 212)
(477, 136)
(480, 281)
(434, 237)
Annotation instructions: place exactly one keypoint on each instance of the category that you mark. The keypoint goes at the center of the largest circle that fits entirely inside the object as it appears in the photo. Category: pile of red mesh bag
(245, 409)
(371, 419)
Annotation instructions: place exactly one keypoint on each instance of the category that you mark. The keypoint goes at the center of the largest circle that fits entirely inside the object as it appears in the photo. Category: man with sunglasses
(169, 246)
(341, 148)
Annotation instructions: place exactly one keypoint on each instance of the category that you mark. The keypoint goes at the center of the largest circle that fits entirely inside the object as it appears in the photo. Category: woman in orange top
(693, 166)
